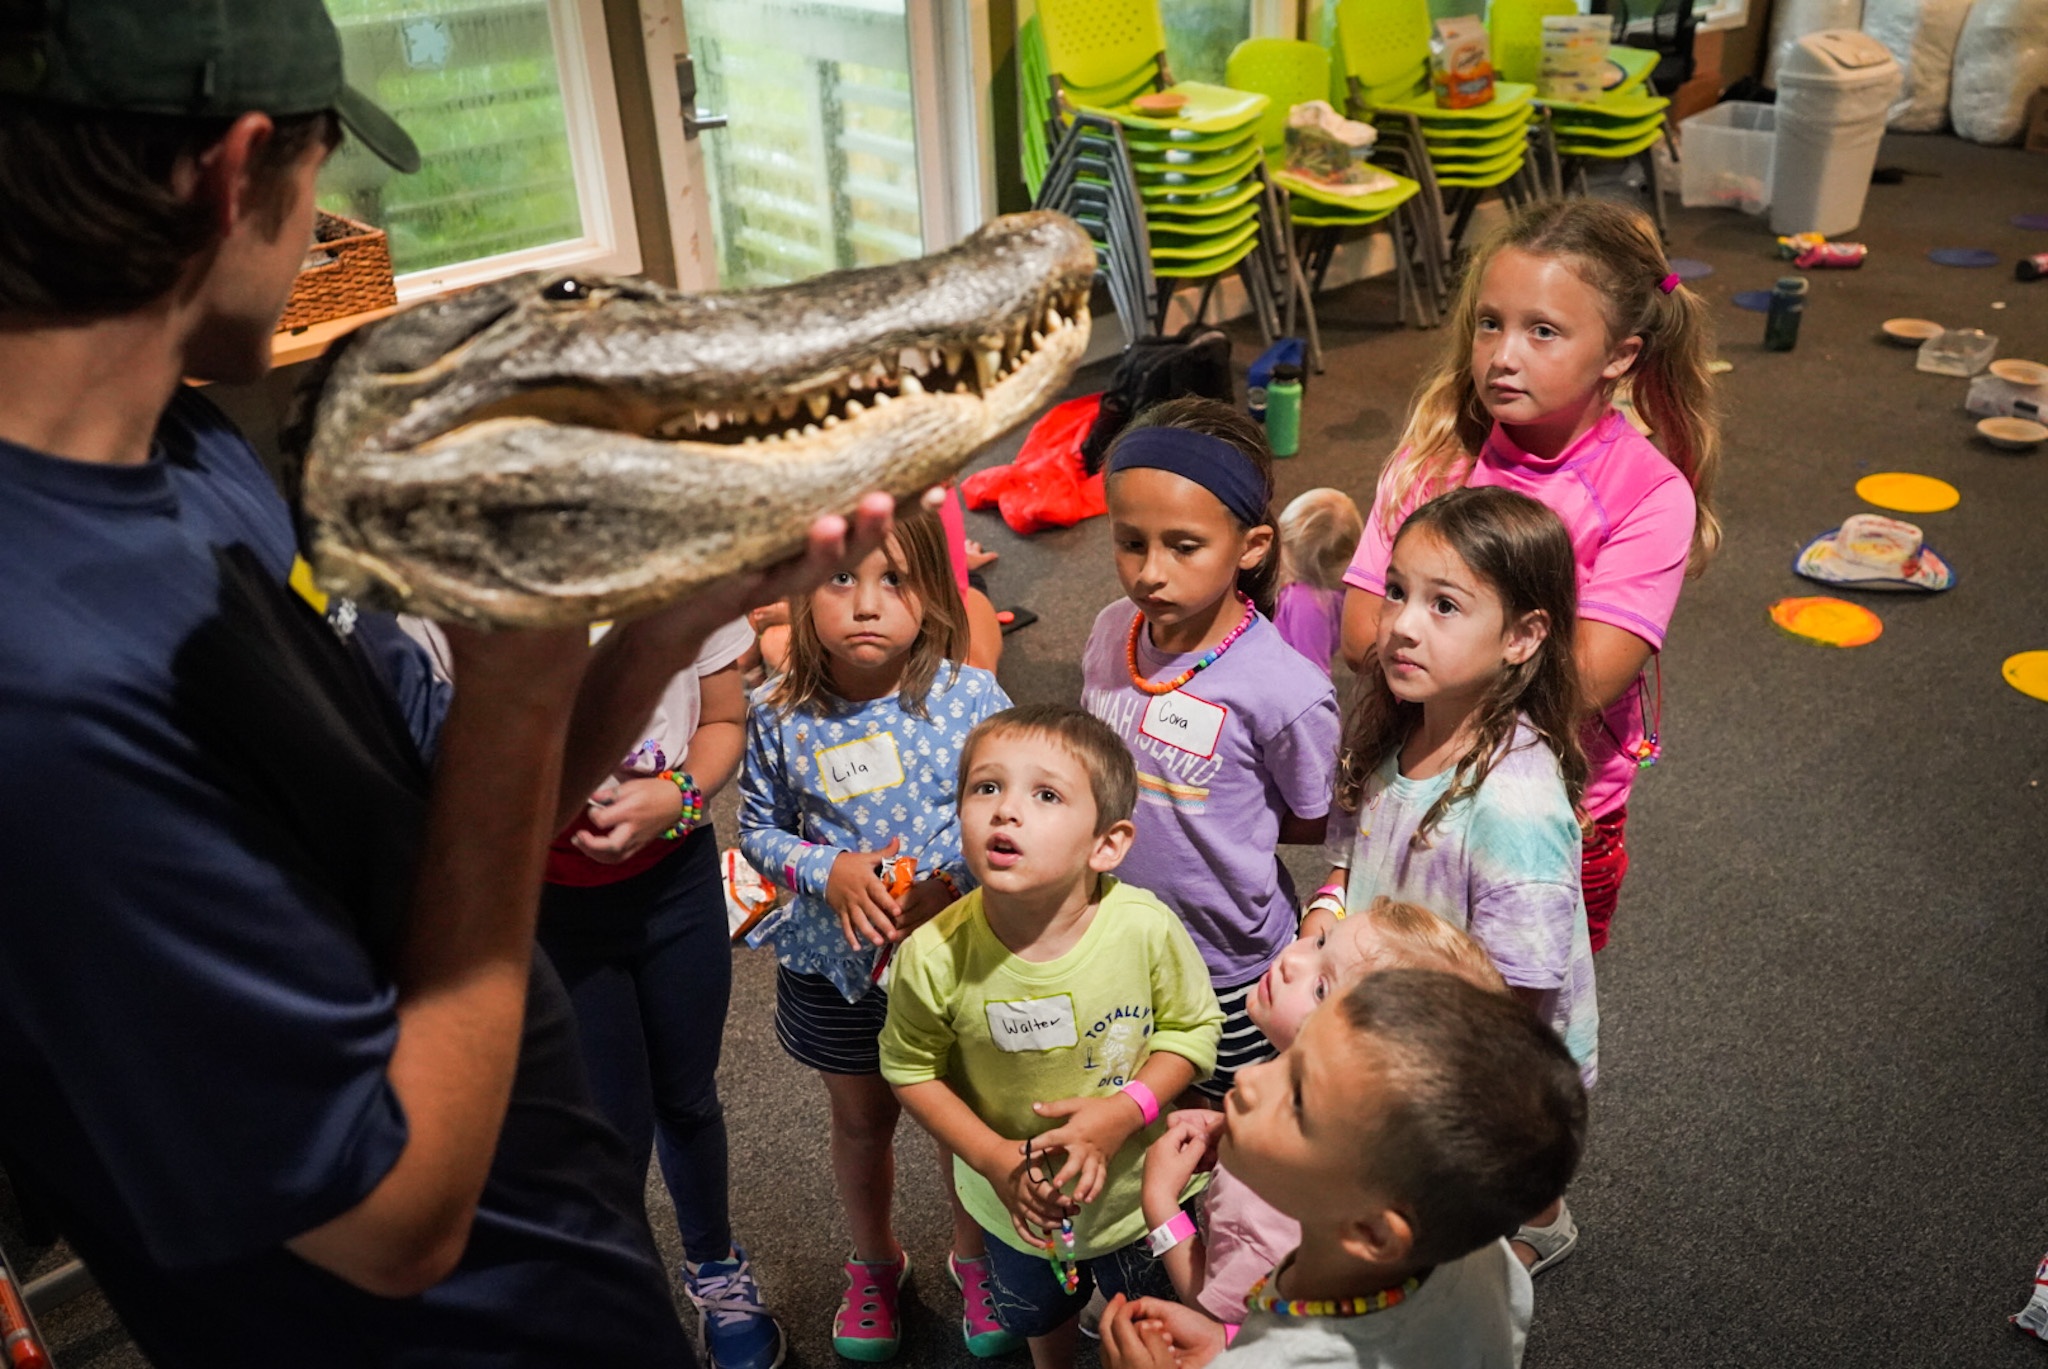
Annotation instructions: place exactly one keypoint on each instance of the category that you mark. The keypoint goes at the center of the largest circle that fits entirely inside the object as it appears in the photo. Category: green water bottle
(1781, 324)
(1283, 410)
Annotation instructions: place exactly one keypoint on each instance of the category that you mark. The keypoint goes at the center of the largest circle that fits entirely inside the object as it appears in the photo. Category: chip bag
(1325, 147)
(1460, 63)
(1574, 57)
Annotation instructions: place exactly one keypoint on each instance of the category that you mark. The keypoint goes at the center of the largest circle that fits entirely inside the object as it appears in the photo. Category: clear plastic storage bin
(1726, 156)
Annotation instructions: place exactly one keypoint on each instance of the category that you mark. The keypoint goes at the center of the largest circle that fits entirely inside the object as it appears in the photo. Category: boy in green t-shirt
(1035, 1024)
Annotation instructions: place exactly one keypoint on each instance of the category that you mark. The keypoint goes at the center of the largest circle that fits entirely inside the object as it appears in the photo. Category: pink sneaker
(865, 1326)
(984, 1335)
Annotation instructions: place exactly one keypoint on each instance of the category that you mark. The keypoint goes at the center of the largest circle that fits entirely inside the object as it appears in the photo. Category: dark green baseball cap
(190, 57)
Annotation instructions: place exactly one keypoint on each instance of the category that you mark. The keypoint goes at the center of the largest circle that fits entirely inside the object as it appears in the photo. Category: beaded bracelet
(693, 804)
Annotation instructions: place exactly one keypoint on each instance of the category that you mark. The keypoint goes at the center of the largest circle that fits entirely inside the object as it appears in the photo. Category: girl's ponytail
(1674, 391)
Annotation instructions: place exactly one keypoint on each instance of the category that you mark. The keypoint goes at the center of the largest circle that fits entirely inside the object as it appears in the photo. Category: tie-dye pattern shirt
(1220, 761)
(848, 777)
(1503, 864)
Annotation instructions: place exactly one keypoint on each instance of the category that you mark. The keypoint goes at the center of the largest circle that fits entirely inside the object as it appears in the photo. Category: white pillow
(1922, 35)
(2001, 60)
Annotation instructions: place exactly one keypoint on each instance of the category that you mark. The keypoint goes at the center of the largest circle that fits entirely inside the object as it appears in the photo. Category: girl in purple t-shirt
(1571, 301)
(1319, 529)
(1234, 734)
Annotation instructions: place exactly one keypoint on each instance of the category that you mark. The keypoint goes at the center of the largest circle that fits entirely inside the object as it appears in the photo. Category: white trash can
(1792, 20)
(1834, 90)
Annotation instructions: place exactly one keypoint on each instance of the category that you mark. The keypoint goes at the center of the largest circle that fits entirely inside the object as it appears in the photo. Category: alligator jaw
(521, 458)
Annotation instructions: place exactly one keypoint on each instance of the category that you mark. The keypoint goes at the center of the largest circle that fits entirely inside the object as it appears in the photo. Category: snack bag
(2033, 1318)
(1460, 63)
(1325, 147)
(1574, 57)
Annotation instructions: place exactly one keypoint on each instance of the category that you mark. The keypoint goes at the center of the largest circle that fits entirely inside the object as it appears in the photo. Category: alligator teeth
(911, 384)
(763, 413)
(831, 420)
(960, 386)
(750, 441)
(810, 430)
(988, 364)
(709, 420)
(1052, 318)
(820, 404)
(884, 371)
(1037, 339)
(853, 407)
(856, 382)
(954, 356)
(785, 408)
(882, 397)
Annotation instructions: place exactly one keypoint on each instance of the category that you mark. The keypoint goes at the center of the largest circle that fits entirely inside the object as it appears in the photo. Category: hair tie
(1669, 283)
(1214, 464)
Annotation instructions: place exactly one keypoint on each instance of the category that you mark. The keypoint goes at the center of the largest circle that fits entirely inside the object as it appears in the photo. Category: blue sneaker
(738, 1332)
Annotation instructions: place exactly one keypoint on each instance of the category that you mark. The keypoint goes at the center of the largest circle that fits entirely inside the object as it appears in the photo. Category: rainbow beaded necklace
(1259, 1300)
(1208, 658)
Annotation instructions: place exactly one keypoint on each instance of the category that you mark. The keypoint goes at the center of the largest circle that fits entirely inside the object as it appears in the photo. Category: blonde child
(1571, 301)
(1319, 529)
(1034, 1025)
(1461, 772)
(1408, 1130)
(1241, 1236)
(1235, 741)
(852, 765)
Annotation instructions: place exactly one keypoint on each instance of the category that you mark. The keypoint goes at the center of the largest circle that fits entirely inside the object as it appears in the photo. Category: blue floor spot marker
(1690, 268)
(1963, 256)
(1756, 301)
(2030, 221)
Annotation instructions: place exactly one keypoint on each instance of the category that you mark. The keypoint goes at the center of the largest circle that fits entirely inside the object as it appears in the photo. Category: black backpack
(1194, 361)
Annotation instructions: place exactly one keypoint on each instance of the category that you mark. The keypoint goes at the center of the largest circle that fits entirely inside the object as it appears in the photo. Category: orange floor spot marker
(2028, 673)
(1908, 493)
(1830, 622)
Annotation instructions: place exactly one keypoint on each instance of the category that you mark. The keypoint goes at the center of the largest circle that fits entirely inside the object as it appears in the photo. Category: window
(1200, 35)
(512, 106)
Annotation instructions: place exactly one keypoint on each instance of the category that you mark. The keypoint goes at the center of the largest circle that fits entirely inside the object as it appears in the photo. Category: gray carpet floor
(1814, 1142)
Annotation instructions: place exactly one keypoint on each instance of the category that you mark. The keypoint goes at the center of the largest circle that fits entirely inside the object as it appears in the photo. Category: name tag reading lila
(860, 767)
(1034, 1024)
(1181, 720)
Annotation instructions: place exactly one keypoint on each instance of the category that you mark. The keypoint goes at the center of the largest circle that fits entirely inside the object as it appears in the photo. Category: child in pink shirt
(1572, 300)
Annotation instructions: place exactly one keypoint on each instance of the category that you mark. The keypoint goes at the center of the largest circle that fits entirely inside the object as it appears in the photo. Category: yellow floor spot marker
(1830, 622)
(2028, 673)
(1907, 493)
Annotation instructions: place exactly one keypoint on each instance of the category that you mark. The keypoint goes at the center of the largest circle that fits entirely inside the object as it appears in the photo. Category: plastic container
(1957, 352)
(1729, 152)
(1781, 324)
(1994, 397)
(1835, 89)
(1283, 410)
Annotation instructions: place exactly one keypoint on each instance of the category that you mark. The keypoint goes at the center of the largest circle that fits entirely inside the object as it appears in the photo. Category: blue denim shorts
(1029, 1299)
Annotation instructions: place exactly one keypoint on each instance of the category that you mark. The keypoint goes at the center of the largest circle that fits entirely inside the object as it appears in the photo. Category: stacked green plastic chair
(1457, 154)
(1624, 124)
(1289, 73)
(1172, 198)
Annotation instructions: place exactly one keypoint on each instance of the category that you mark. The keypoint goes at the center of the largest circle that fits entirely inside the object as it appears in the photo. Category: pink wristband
(1147, 1101)
(1170, 1233)
(1230, 1330)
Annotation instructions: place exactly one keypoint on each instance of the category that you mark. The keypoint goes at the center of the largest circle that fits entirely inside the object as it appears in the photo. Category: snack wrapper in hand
(1460, 63)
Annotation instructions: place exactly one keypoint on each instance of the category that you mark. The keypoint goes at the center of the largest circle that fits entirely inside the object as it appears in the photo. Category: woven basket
(348, 271)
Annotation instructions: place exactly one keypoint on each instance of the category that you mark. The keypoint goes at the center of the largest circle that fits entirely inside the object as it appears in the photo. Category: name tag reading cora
(860, 767)
(1033, 1024)
(1181, 720)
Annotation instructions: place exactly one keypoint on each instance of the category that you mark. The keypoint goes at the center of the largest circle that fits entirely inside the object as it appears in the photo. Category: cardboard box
(2035, 136)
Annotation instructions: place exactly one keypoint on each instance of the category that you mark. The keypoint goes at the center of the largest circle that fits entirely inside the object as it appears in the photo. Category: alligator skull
(550, 450)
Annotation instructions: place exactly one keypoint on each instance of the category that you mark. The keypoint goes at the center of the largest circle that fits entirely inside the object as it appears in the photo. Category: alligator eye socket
(568, 287)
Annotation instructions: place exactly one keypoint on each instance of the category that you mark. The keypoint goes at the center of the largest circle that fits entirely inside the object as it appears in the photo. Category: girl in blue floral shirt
(852, 766)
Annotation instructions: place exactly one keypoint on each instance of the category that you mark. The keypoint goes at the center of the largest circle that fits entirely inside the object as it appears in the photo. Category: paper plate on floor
(1829, 622)
(1911, 332)
(2028, 673)
(1963, 256)
(1756, 301)
(1870, 551)
(2020, 372)
(2013, 434)
(1908, 493)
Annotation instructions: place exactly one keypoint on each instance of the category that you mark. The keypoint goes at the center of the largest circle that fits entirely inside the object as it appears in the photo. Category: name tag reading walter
(1181, 720)
(860, 767)
(1034, 1024)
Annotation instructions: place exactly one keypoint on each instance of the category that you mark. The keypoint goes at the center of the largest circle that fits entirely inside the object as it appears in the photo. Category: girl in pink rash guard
(1572, 300)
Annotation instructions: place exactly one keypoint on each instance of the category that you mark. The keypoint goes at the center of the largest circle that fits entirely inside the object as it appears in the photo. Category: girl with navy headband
(1234, 732)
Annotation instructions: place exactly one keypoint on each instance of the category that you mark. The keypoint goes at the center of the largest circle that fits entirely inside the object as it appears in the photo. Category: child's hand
(1035, 1206)
(862, 899)
(1319, 922)
(1152, 1333)
(1093, 1131)
(1188, 1147)
(926, 900)
(627, 818)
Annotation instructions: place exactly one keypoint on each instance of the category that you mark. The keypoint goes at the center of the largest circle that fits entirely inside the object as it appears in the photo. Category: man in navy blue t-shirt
(278, 1051)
